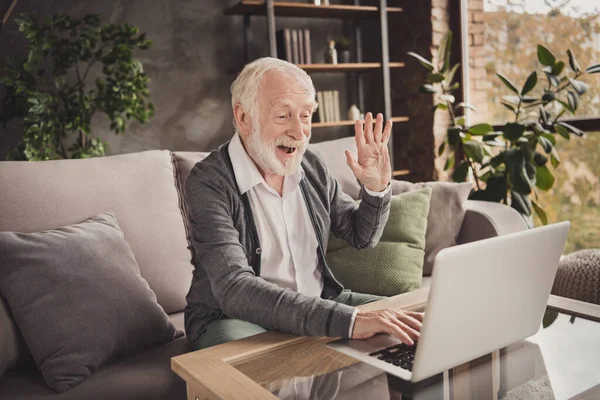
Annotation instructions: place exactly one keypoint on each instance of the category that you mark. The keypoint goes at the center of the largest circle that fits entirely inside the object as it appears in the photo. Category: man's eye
(282, 116)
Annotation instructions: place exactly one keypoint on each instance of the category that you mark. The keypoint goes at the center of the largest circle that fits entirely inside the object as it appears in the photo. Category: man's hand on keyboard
(404, 325)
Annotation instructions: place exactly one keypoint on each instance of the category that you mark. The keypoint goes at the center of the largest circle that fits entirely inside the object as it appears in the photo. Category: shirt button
(258, 250)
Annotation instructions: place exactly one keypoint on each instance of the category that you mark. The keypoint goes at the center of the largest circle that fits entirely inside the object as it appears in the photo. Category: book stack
(329, 105)
(293, 45)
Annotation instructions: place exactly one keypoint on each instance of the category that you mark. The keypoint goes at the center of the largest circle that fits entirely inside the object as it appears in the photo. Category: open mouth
(287, 150)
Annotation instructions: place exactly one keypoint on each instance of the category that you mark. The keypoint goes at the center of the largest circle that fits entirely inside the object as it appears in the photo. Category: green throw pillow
(395, 265)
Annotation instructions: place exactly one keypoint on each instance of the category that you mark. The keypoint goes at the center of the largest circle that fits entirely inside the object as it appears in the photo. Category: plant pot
(343, 56)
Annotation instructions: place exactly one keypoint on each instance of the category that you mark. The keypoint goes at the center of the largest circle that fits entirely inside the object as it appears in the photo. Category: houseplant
(510, 163)
(74, 69)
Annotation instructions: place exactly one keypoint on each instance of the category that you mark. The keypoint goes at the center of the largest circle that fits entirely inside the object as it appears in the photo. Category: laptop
(484, 296)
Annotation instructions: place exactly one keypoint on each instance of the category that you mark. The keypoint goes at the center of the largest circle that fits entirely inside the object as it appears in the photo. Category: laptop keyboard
(400, 355)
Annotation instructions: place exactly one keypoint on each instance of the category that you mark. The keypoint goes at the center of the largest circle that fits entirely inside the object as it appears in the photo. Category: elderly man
(261, 208)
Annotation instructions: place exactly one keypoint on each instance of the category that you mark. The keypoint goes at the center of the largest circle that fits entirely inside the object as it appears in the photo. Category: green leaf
(544, 178)
(424, 62)
(573, 100)
(508, 83)
(498, 160)
(449, 162)
(540, 159)
(435, 78)
(579, 86)
(465, 105)
(474, 150)
(441, 149)
(553, 79)
(554, 158)
(460, 173)
(480, 129)
(512, 99)
(558, 68)
(521, 202)
(454, 86)
(453, 136)
(549, 137)
(546, 144)
(573, 62)
(509, 106)
(513, 131)
(515, 164)
(544, 219)
(427, 88)
(562, 131)
(494, 191)
(439, 106)
(444, 50)
(593, 69)
(571, 128)
(529, 84)
(447, 97)
(567, 106)
(544, 115)
(548, 97)
(452, 72)
(545, 57)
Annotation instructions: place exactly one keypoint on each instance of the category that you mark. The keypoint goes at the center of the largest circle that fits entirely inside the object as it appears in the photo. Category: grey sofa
(144, 191)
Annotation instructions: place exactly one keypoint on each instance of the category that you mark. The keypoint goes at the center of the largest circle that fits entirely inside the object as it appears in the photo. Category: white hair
(244, 89)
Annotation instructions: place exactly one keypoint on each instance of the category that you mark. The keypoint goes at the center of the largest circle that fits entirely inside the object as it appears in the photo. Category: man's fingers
(369, 128)
(413, 333)
(398, 333)
(378, 126)
(416, 315)
(385, 137)
(359, 135)
(410, 321)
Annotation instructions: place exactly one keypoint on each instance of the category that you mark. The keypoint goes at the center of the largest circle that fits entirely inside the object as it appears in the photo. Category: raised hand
(373, 168)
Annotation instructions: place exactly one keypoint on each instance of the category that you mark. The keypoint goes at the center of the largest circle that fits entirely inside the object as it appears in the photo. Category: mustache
(290, 142)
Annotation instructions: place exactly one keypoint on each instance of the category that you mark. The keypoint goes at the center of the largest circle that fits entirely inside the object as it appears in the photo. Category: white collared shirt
(287, 238)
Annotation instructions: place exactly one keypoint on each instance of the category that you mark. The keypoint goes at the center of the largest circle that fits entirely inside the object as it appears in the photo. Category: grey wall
(194, 58)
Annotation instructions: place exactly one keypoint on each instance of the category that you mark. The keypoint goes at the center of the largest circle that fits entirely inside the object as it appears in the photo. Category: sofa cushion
(78, 298)
(185, 161)
(146, 376)
(139, 188)
(446, 213)
(394, 265)
(332, 154)
(9, 339)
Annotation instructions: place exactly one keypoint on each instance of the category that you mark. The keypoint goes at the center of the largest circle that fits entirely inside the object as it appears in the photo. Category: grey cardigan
(226, 250)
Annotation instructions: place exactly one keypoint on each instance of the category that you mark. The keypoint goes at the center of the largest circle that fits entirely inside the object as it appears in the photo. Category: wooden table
(255, 367)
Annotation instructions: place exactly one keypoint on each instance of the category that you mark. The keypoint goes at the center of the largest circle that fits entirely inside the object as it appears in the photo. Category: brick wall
(477, 58)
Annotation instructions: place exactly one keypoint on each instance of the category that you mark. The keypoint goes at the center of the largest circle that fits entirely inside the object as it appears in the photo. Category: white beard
(265, 153)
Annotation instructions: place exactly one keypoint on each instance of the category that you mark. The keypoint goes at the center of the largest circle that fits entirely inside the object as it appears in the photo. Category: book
(321, 108)
(336, 105)
(284, 44)
(301, 47)
(307, 56)
(295, 49)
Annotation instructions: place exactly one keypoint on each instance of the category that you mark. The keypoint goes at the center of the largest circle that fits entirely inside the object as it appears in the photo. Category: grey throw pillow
(446, 213)
(9, 339)
(78, 298)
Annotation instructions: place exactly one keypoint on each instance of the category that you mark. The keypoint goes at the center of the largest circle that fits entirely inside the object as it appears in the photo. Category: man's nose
(297, 129)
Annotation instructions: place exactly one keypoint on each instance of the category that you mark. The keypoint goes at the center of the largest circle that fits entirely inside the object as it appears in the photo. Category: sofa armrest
(485, 219)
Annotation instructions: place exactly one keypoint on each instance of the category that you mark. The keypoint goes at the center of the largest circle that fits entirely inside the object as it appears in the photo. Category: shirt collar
(246, 173)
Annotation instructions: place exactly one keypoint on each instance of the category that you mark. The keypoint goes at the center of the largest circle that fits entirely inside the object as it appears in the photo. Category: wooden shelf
(401, 172)
(287, 9)
(350, 123)
(346, 67)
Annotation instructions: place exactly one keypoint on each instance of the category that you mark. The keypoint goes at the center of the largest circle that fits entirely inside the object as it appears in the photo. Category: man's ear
(242, 120)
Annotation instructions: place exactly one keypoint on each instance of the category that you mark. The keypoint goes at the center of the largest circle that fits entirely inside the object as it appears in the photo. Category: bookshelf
(307, 10)
(272, 9)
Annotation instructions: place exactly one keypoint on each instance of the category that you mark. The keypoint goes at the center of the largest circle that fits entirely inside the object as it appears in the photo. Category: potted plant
(74, 69)
(342, 46)
(510, 163)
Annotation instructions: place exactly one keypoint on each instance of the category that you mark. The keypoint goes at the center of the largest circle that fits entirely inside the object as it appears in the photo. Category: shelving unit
(356, 13)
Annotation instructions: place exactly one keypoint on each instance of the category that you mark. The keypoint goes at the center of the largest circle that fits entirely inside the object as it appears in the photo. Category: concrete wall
(196, 54)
